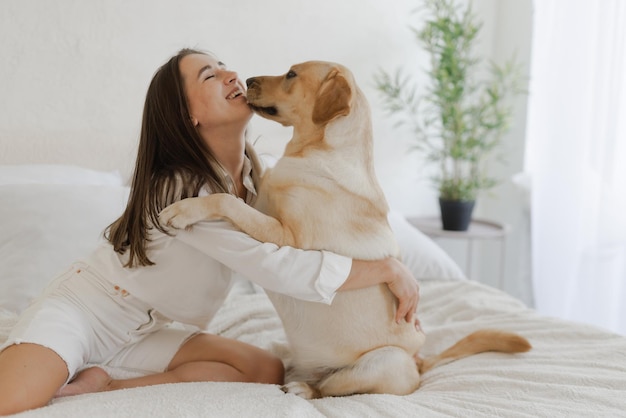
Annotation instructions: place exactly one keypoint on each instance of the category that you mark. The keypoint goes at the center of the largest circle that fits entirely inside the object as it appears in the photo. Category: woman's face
(215, 95)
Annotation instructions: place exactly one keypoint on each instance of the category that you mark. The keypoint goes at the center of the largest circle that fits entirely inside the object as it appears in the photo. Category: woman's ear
(194, 121)
(333, 99)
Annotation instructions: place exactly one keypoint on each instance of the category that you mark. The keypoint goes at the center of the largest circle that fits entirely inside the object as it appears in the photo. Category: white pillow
(56, 174)
(420, 254)
(45, 228)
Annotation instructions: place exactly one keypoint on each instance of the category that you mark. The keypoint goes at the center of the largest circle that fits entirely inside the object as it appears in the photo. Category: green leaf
(458, 121)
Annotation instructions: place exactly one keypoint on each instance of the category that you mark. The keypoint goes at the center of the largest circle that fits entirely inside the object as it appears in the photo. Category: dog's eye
(290, 74)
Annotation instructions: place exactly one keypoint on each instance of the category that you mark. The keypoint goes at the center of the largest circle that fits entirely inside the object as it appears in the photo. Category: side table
(479, 229)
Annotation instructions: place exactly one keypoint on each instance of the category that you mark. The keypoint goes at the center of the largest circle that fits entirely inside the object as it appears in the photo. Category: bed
(52, 214)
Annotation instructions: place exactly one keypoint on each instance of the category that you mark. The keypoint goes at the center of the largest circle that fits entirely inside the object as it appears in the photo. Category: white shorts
(86, 319)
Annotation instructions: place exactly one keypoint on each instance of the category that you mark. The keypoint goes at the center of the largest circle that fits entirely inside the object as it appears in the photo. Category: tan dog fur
(323, 194)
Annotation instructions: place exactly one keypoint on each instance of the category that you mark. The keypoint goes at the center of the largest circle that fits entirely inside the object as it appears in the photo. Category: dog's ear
(333, 98)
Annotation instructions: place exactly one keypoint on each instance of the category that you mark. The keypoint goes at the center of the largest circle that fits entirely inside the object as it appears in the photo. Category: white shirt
(194, 270)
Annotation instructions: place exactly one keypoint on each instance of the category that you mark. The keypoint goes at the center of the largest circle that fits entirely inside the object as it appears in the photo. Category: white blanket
(572, 370)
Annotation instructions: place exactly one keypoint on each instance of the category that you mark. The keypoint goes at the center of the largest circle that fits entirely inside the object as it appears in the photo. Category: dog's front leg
(184, 213)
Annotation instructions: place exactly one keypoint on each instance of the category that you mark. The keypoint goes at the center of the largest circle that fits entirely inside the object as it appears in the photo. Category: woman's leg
(30, 374)
(215, 358)
(204, 357)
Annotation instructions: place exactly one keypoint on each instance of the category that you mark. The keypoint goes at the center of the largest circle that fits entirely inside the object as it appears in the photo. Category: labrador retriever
(323, 194)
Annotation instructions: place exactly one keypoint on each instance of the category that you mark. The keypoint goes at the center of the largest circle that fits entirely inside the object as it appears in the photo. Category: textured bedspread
(573, 370)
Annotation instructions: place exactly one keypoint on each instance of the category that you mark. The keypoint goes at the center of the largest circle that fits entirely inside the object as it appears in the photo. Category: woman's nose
(230, 77)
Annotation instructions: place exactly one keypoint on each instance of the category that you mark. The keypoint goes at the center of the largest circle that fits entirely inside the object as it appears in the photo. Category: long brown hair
(173, 163)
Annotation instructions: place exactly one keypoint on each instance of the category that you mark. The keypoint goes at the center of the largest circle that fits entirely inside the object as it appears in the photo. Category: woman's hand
(395, 275)
(404, 286)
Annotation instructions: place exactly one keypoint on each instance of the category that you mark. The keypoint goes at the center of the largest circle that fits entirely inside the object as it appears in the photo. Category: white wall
(73, 73)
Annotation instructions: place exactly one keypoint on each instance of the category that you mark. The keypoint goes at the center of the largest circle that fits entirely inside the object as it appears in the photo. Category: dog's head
(313, 92)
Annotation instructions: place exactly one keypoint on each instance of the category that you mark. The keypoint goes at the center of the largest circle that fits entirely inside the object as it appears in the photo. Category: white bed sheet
(573, 370)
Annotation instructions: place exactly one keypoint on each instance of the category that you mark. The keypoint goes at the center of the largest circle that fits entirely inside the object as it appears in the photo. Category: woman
(116, 307)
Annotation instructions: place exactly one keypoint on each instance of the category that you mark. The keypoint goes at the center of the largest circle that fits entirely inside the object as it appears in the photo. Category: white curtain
(576, 158)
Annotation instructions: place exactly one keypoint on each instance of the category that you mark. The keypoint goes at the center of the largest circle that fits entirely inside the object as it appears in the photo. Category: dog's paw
(182, 214)
(301, 389)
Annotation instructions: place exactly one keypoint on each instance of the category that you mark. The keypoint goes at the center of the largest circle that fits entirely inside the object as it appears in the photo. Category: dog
(323, 194)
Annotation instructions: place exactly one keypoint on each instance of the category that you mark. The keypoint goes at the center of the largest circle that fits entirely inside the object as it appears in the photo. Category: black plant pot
(456, 215)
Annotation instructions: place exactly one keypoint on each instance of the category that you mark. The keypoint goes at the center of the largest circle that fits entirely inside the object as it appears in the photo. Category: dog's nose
(250, 81)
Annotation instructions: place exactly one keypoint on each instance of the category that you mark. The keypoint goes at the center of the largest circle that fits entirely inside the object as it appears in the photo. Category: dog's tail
(478, 342)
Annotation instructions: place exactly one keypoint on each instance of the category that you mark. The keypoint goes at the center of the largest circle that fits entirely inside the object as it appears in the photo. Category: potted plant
(459, 120)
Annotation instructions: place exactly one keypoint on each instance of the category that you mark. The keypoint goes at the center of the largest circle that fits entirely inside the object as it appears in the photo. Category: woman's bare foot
(90, 380)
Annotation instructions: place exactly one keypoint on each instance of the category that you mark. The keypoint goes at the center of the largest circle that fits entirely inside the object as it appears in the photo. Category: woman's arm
(304, 274)
(394, 274)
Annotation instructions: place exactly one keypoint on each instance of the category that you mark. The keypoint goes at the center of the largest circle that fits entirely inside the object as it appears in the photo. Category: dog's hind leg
(387, 369)
(301, 389)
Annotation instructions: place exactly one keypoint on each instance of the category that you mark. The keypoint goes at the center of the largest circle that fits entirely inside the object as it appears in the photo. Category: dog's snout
(251, 81)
